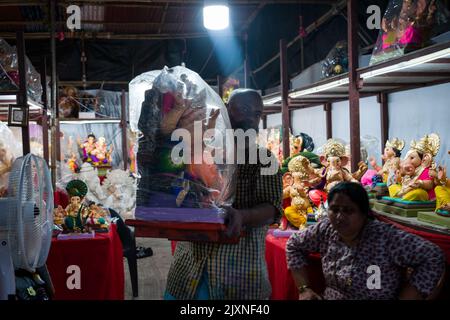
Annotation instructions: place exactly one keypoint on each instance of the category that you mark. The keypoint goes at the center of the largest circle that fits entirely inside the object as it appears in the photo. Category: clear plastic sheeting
(10, 149)
(36, 138)
(137, 90)
(9, 72)
(75, 134)
(409, 25)
(87, 104)
(336, 62)
(182, 150)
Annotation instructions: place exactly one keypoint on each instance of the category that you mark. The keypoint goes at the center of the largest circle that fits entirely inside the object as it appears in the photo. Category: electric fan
(26, 220)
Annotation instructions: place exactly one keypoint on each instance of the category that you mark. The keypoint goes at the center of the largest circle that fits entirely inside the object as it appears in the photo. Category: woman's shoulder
(324, 228)
(394, 235)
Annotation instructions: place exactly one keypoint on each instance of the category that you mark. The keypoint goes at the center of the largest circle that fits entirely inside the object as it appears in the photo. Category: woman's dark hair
(356, 193)
(398, 153)
(91, 135)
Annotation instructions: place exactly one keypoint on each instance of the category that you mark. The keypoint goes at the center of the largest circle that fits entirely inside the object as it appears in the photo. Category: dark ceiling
(122, 39)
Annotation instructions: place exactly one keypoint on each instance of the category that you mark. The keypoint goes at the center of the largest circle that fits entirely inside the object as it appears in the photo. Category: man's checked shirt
(235, 271)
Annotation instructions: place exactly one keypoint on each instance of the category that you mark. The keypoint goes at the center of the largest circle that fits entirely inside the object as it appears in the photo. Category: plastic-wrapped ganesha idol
(182, 149)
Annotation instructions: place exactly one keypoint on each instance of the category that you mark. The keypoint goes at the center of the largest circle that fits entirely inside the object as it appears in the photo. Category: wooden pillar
(384, 117)
(264, 121)
(353, 60)
(44, 113)
(285, 115)
(291, 121)
(22, 96)
(53, 103)
(327, 109)
(123, 125)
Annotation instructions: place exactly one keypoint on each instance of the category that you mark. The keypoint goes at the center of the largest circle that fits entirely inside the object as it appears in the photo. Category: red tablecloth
(441, 240)
(101, 267)
(283, 286)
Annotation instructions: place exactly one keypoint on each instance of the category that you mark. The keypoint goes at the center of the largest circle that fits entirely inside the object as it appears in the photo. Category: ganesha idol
(334, 160)
(95, 151)
(177, 171)
(442, 191)
(418, 184)
(391, 158)
(295, 184)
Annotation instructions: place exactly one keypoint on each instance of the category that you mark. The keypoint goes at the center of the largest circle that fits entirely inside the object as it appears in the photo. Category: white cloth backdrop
(414, 113)
(311, 121)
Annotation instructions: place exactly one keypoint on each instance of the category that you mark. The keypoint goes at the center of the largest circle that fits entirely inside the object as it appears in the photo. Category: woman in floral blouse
(363, 258)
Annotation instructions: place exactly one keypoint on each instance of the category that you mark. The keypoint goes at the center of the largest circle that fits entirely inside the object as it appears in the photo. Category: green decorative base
(434, 218)
(409, 204)
(372, 195)
(410, 213)
(443, 213)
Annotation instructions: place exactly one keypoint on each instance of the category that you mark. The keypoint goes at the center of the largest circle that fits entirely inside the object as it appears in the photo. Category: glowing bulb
(216, 17)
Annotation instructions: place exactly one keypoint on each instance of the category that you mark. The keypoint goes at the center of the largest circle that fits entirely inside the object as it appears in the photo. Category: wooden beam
(152, 2)
(45, 142)
(119, 36)
(441, 60)
(312, 27)
(264, 121)
(123, 125)
(163, 18)
(406, 74)
(382, 99)
(352, 30)
(213, 47)
(91, 83)
(253, 16)
(54, 126)
(285, 115)
(329, 121)
(22, 97)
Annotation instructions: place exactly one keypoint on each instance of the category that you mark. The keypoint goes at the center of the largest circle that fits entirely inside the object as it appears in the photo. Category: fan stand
(7, 278)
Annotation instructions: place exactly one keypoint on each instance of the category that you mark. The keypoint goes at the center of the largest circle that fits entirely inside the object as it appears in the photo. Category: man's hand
(234, 220)
(309, 294)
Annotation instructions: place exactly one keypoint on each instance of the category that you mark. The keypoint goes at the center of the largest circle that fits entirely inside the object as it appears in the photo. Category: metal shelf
(421, 68)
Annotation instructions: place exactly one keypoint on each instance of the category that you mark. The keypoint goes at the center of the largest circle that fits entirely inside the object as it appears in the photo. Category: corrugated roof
(119, 18)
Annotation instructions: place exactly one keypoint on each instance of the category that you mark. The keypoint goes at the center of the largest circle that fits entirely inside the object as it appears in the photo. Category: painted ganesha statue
(297, 191)
(418, 183)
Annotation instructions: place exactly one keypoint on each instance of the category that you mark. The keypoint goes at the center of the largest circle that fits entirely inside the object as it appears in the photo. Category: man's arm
(258, 216)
